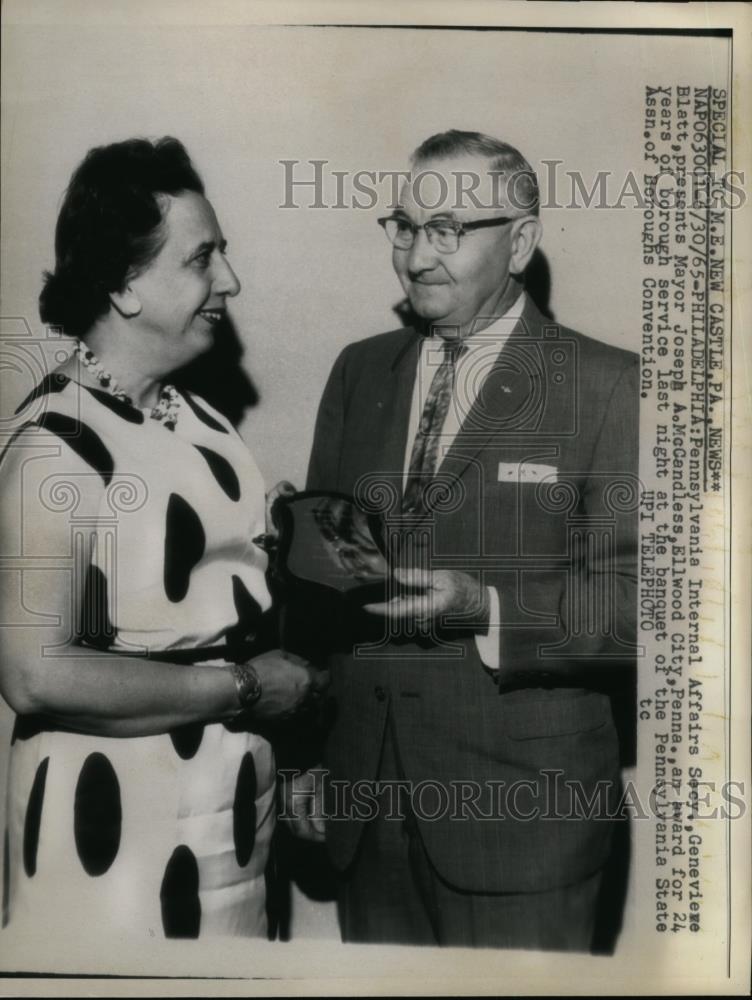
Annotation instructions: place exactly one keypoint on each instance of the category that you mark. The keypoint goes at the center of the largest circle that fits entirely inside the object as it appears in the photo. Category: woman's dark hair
(110, 226)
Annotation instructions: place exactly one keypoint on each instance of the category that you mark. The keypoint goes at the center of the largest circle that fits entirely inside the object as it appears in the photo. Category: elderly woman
(141, 797)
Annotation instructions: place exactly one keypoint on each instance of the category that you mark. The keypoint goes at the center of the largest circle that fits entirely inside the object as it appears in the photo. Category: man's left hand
(433, 594)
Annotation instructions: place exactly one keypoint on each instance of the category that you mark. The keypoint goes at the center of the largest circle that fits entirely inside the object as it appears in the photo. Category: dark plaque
(328, 543)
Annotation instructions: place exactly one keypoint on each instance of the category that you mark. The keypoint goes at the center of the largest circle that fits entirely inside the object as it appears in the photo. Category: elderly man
(473, 727)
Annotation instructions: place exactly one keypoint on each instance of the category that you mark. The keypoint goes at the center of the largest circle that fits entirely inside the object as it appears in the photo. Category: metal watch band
(247, 684)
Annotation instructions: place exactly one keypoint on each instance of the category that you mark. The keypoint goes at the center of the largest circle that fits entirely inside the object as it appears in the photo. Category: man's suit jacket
(543, 508)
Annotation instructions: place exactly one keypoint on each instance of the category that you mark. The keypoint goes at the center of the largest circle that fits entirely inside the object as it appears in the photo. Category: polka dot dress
(163, 835)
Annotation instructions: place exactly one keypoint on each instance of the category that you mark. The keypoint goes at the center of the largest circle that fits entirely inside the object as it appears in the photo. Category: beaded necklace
(167, 406)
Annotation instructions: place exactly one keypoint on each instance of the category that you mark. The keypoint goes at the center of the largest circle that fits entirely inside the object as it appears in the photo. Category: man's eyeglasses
(443, 234)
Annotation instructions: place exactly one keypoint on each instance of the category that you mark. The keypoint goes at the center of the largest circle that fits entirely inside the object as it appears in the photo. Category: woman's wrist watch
(247, 685)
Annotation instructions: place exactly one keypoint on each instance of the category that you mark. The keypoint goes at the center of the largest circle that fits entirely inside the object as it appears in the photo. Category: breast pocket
(530, 518)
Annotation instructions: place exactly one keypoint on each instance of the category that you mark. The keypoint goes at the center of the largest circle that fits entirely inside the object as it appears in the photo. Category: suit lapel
(509, 397)
(396, 401)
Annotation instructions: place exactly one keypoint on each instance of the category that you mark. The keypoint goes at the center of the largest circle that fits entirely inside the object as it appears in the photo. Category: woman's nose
(225, 280)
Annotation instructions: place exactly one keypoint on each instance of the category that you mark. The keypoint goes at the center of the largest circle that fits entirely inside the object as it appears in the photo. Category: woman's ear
(525, 239)
(126, 302)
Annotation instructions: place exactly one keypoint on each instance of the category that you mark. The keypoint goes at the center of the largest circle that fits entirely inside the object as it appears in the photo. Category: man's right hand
(289, 684)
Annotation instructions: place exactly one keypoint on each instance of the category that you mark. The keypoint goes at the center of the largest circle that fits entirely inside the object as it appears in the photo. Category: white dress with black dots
(162, 835)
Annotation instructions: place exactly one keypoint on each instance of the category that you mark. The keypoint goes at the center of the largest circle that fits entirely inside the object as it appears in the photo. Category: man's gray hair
(522, 183)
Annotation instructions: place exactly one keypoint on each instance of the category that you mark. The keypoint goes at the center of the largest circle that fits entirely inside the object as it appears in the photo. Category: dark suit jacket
(543, 509)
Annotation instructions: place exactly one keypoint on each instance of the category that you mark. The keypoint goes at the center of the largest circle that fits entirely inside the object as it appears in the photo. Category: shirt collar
(497, 333)
(504, 323)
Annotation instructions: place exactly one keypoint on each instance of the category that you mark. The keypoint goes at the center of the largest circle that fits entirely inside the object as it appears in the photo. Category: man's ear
(525, 238)
(126, 302)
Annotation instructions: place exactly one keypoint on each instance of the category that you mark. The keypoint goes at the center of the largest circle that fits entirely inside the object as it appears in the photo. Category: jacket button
(379, 692)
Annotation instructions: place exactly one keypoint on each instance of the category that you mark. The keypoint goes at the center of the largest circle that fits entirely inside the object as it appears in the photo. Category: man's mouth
(211, 316)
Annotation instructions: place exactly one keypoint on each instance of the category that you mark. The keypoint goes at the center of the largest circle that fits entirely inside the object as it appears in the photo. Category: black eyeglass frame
(460, 228)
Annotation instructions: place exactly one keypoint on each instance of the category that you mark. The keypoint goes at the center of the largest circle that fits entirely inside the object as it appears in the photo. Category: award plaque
(328, 544)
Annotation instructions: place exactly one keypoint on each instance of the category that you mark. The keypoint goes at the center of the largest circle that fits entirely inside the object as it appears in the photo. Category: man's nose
(421, 256)
(225, 280)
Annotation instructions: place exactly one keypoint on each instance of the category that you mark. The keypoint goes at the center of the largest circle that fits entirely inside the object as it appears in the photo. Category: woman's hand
(269, 540)
(288, 685)
(282, 489)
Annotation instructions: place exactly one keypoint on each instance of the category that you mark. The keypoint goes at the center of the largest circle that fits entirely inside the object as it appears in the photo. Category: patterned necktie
(426, 444)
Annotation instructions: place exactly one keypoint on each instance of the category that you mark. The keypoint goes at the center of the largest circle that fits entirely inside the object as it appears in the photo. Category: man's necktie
(426, 445)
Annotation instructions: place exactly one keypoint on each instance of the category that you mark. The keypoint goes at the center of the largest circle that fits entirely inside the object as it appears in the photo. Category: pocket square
(526, 472)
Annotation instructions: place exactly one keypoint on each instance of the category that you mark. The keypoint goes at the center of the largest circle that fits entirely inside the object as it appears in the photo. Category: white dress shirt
(483, 349)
